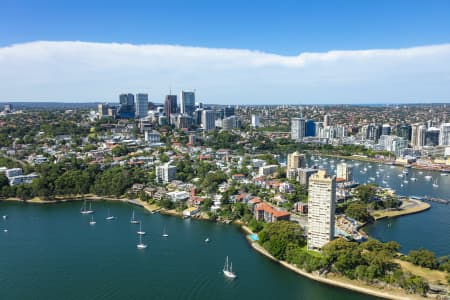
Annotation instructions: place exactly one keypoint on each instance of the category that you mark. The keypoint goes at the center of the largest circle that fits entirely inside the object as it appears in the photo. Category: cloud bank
(82, 71)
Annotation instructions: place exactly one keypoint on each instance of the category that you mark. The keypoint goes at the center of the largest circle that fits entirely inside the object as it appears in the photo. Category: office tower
(141, 105)
(421, 136)
(170, 105)
(229, 111)
(386, 129)
(297, 128)
(208, 120)
(321, 209)
(404, 131)
(326, 120)
(432, 136)
(444, 136)
(187, 102)
(126, 109)
(344, 171)
(102, 110)
(310, 128)
(165, 173)
(255, 121)
(184, 121)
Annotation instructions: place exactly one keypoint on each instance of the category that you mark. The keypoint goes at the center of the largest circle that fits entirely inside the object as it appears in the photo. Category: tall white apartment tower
(321, 208)
(444, 136)
(344, 171)
(298, 127)
(255, 121)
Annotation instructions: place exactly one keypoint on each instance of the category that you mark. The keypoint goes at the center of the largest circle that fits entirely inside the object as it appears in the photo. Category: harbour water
(51, 252)
(429, 229)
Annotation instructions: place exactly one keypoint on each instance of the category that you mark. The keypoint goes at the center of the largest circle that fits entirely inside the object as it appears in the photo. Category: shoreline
(395, 293)
(419, 206)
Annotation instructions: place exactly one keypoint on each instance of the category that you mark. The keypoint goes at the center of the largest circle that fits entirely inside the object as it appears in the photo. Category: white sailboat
(165, 234)
(141, 245)
(133, 220)
(228, 270)
(84, 209)
(435, 183)
(92, 222)
(109, 217)
(207, 240)
(140, 232)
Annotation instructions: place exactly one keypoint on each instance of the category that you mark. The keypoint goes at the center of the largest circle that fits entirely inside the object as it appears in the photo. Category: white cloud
(81, 71)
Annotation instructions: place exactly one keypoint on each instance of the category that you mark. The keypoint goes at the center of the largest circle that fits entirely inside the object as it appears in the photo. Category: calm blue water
(429, 229)
(51, 252)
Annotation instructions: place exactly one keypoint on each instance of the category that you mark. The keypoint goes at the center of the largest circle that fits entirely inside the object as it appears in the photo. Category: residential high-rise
(165, 173)
(187, 102)
(141, 105)
(208, 120)
(297, 128)
(255, 121)
(229, 123)
(344, 171)
(326, 120)
(444, 136)
(102, 110)
(170, 105)
(404, 131)
(321, 209)
(296, 160)
(432, 136)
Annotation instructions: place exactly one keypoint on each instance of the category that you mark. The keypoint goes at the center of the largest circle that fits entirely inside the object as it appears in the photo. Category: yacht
(141, 245)
(84, 209)
(428, 177)
(228, 270)
(435, 183)
(140, 232)
(92, 222)
(133, 220)
(165, 234)
(207, 240)
(109, 217)
(413, 179)
(5, 217)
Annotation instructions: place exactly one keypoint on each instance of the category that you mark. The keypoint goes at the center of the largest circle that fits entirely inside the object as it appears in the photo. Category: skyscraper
(326, 120)
(126, 109)
(170, 105)
(344, 171)
(208, 120)
(310, 128)
(141, 105)
(421, 136)
(297, 128)
(386, 129)
(321, 209)
(187, 102)
(255, 121)
(444, 137)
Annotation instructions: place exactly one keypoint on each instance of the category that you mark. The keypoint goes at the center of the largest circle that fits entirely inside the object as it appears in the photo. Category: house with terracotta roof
(267, 213)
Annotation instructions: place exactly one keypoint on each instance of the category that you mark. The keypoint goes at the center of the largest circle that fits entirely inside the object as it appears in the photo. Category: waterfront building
(432, 136)
(141, 105)
(404, 131)
(208, 120)
(421, 136)
(344, 171)
(187, 102)
(255, 121)
(265, 212)
(321, 209)
(297, 128)
(444, 135)
(165, 173)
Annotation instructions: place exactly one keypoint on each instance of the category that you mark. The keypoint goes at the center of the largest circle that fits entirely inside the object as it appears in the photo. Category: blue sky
(286, 29)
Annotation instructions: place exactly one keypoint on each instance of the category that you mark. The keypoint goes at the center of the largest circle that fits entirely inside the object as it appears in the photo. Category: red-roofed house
(265, 212)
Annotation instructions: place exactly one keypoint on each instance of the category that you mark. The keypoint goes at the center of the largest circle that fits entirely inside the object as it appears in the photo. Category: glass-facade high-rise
(187, 102)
